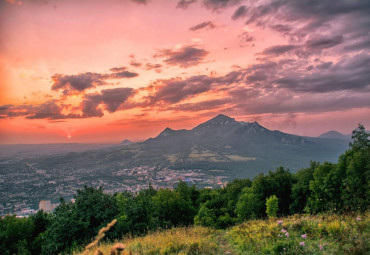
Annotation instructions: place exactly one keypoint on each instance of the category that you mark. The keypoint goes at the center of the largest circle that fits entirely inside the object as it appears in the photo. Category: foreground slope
(298, 234)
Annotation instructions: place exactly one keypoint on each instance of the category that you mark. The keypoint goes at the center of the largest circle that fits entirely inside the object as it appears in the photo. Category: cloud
(48, 110)
(316, 25)
(324, 42)
(185, 57)
(245, 38)
(140, 1)
(201, 106)
(218, 5)
(156, 67)
(83, 81)
(203, 25)
(175, 90)
(184, 4)
(241, 12)
(110, 98)
(118, 69)
(135, 64)
(279, 49)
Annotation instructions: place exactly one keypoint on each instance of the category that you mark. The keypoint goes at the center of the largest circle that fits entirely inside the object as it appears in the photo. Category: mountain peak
(334, 135)
(166, 132)
(126, 142)
(221, 119)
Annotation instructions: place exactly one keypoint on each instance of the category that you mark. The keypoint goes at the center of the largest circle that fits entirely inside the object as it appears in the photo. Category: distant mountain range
(240, 149)
(335, 135)
(210, 154)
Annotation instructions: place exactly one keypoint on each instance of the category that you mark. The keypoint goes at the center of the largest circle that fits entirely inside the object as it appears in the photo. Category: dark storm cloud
(184, 57)
(217, 5)
(324, 42)
(352, 74)
(83, 81)
(241, 12)
(344, 23)
(203, 25)
(285, 103)
(183, 4)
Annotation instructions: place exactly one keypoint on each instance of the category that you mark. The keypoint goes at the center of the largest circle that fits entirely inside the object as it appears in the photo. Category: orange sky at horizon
(103, 71)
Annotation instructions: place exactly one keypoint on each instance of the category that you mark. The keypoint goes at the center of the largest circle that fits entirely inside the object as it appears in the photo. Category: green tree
(205, 217)
(356, 164)
(16, 235)
(272, 206)
(248, 205)
(301, 189)
(76, 224)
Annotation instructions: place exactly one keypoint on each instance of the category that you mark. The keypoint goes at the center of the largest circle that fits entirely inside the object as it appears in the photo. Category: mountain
(221, 144)
(334, 135)
(126, 142)
(243, 149)
(210, 154)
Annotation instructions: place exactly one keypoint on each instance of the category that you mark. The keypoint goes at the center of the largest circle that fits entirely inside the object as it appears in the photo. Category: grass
(298, 234)
(191, 240)
(320, 234)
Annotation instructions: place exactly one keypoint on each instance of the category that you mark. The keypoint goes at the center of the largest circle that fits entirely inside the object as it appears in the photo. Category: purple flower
(287, 234)
(279, 222)
(301, 243)
(358, 219)
(284, 230)
(321, 247)
(304, 236)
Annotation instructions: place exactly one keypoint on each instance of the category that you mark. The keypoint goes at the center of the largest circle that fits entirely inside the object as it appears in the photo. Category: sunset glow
(103, 71)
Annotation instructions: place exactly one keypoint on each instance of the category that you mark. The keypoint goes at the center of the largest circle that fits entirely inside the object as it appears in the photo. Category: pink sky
(103, 71)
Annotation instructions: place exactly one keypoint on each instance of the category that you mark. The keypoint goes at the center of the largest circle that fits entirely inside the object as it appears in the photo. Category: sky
(94, 71)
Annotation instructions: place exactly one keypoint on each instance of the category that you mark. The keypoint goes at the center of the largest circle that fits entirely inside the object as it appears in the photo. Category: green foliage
(301, 188)
(272, 206)
(16, 235)
(75, 224)
(205, 217)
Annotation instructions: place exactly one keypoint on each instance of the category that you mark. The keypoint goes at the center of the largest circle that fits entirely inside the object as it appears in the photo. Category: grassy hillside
(298, 234)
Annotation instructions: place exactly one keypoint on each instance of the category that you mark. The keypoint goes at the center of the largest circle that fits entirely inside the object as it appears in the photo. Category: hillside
(298, 234)
(208, 155)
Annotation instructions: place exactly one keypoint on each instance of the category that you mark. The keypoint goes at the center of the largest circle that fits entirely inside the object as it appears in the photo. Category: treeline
(338, 188)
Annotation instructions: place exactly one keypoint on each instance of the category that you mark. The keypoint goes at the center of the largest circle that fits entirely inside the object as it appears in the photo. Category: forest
(337, 189)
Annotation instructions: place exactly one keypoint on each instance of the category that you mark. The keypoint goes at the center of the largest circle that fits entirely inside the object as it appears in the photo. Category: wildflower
(279, 222)
(320, 225)
(358, 219)
(321, 247)
(301, 243)
(279, 235)
(287, 234)
(284, 230)
(304, 236)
